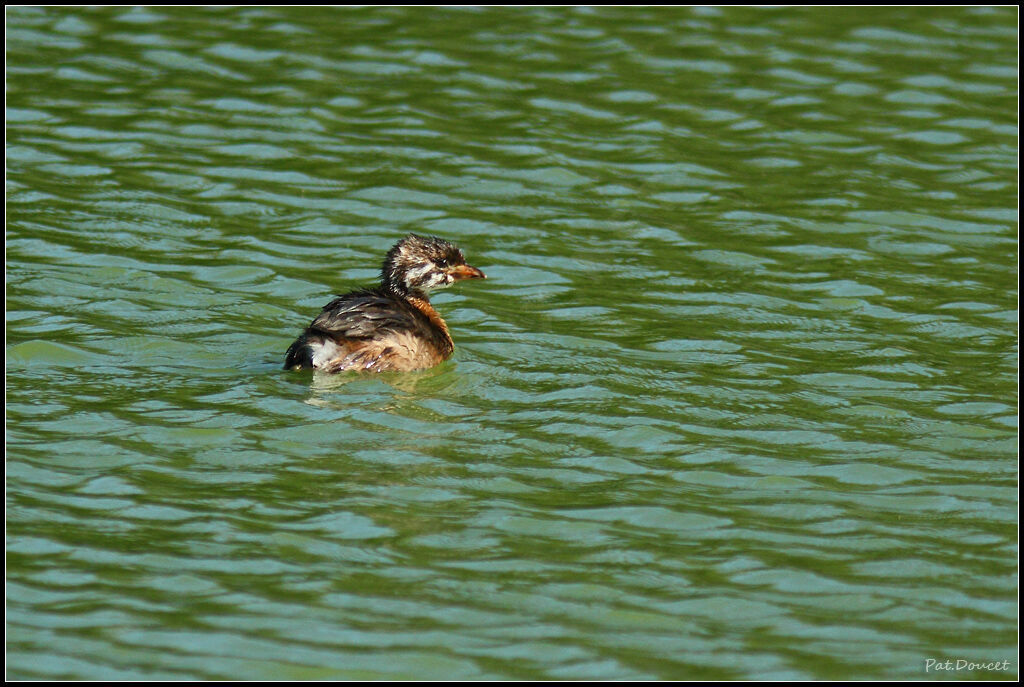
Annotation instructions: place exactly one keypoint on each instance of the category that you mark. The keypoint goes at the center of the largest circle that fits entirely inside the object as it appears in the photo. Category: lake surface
(738, 400)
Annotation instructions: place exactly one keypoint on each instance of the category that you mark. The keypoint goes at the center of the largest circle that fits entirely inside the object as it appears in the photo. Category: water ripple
(737, 401)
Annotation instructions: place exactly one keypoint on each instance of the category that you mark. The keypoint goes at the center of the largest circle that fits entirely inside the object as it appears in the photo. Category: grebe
(392, 326)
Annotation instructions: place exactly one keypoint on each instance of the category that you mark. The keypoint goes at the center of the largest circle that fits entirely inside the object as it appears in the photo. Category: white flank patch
(324, 352)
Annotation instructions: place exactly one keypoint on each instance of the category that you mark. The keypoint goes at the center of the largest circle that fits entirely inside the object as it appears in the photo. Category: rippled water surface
(738, 399)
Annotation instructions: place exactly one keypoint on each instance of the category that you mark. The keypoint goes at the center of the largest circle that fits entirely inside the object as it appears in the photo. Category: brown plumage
(392, 326)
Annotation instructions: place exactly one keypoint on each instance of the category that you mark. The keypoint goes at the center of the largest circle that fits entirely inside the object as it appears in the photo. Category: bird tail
(300, 353)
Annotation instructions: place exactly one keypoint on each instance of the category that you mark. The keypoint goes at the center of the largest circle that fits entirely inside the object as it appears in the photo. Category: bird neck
(420, 302)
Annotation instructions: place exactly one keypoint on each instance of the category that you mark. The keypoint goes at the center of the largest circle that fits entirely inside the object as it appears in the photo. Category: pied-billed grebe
(392, 326)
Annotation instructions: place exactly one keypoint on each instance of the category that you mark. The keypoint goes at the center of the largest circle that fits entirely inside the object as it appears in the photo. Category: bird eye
(442, 263)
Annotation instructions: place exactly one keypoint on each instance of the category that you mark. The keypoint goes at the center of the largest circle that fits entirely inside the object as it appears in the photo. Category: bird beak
(460, 272)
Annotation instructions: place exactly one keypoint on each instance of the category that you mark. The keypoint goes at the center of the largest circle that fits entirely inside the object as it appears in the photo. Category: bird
(391, 327)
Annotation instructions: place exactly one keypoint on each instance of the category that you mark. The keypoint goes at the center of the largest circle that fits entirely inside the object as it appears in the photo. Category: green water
(738, 399)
